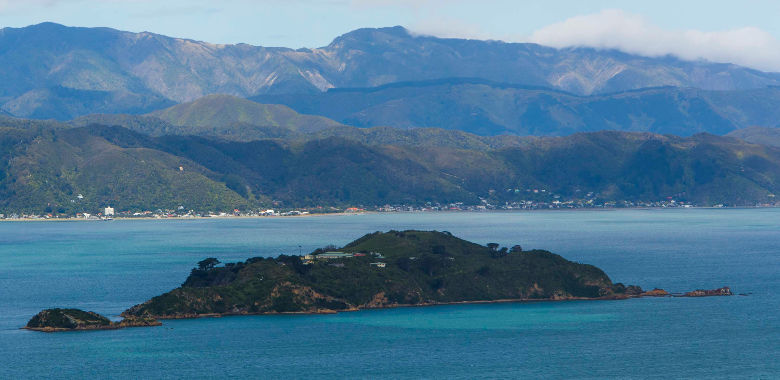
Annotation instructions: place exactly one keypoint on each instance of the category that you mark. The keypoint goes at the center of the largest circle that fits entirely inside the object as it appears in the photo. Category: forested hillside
(46, 169)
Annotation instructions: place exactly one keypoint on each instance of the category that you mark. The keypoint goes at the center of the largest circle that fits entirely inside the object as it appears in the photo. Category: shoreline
(234, 217)
(655, 293)
(427, 304)
(156, 319)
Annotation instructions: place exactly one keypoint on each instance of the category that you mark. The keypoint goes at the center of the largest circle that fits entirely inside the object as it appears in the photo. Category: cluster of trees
(503, 251)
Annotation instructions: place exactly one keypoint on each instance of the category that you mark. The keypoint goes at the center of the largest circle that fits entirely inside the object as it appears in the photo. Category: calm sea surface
(108, 266)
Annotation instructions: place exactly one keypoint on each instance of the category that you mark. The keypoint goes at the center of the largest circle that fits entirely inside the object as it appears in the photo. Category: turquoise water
(107, 267)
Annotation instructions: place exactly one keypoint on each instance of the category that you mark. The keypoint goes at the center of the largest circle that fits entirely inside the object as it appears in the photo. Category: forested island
(378, 270)
(390, 269)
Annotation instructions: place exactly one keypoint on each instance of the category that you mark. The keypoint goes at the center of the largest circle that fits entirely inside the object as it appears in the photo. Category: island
(56, 320)
(378, 270)
(381, 270)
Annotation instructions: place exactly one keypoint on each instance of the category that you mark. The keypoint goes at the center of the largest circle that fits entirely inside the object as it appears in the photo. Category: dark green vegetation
(44, 170)
(489, 108)
(420, 268)
(53, 320)
(52, 71)
(67, 319)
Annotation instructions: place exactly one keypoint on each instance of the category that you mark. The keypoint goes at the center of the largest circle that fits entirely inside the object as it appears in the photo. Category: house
(334, 255)
(109, 211)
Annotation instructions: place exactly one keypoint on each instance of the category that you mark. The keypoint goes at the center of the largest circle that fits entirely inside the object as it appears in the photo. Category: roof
(334, 255)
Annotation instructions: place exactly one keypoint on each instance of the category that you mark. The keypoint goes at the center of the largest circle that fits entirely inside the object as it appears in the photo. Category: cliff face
(381, 270)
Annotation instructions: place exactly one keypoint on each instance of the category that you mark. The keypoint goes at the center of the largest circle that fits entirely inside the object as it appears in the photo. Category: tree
(516, 249)
(492, 246)
(207, 264)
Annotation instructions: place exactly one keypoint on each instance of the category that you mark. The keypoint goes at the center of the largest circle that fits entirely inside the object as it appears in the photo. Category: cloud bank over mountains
(631, 33)
(296, 23)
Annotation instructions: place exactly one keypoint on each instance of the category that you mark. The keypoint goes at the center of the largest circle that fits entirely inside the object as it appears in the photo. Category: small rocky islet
(378, 270)
(55, 320)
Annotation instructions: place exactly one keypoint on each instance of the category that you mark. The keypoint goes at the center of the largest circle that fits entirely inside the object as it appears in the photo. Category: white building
(109, 211)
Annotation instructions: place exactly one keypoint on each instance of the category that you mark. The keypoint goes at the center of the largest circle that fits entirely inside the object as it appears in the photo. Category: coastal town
(181, 212)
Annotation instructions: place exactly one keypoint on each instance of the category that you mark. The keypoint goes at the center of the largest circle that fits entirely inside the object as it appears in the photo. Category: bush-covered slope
(45, 170)
(705, 169)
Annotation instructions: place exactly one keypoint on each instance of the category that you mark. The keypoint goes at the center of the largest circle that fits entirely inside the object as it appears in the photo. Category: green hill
(396, 268)
(705, 169)
(44, 170)
(224, 111)
(223, 116)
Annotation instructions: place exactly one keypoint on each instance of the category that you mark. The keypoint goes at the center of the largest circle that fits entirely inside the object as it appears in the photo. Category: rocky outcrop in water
(724, 291)
(55, 320)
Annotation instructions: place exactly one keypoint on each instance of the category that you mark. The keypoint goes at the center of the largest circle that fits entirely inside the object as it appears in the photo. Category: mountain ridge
(490, 108)
(88, 70)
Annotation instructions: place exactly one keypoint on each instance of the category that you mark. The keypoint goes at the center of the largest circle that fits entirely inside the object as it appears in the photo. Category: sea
(107, 267)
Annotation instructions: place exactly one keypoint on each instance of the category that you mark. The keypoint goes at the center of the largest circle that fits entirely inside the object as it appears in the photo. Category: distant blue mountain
(488, 108)
(53, 71)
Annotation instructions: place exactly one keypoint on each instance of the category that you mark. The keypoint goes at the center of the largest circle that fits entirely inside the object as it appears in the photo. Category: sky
(744, 32)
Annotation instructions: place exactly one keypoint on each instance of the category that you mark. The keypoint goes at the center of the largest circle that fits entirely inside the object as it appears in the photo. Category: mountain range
(380, 116)
(456, 105)
(54, 71)
(489, 108)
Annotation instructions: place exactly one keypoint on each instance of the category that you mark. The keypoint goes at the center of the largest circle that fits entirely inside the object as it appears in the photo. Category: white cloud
(616, 29)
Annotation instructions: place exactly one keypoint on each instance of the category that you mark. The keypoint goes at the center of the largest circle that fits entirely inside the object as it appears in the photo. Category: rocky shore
(59, 320)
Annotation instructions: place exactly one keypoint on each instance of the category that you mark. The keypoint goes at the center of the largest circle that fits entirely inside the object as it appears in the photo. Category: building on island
(109, 211)
(334, 255)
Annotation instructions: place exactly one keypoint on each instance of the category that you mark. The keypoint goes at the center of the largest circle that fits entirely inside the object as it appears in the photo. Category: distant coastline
(374, 212)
